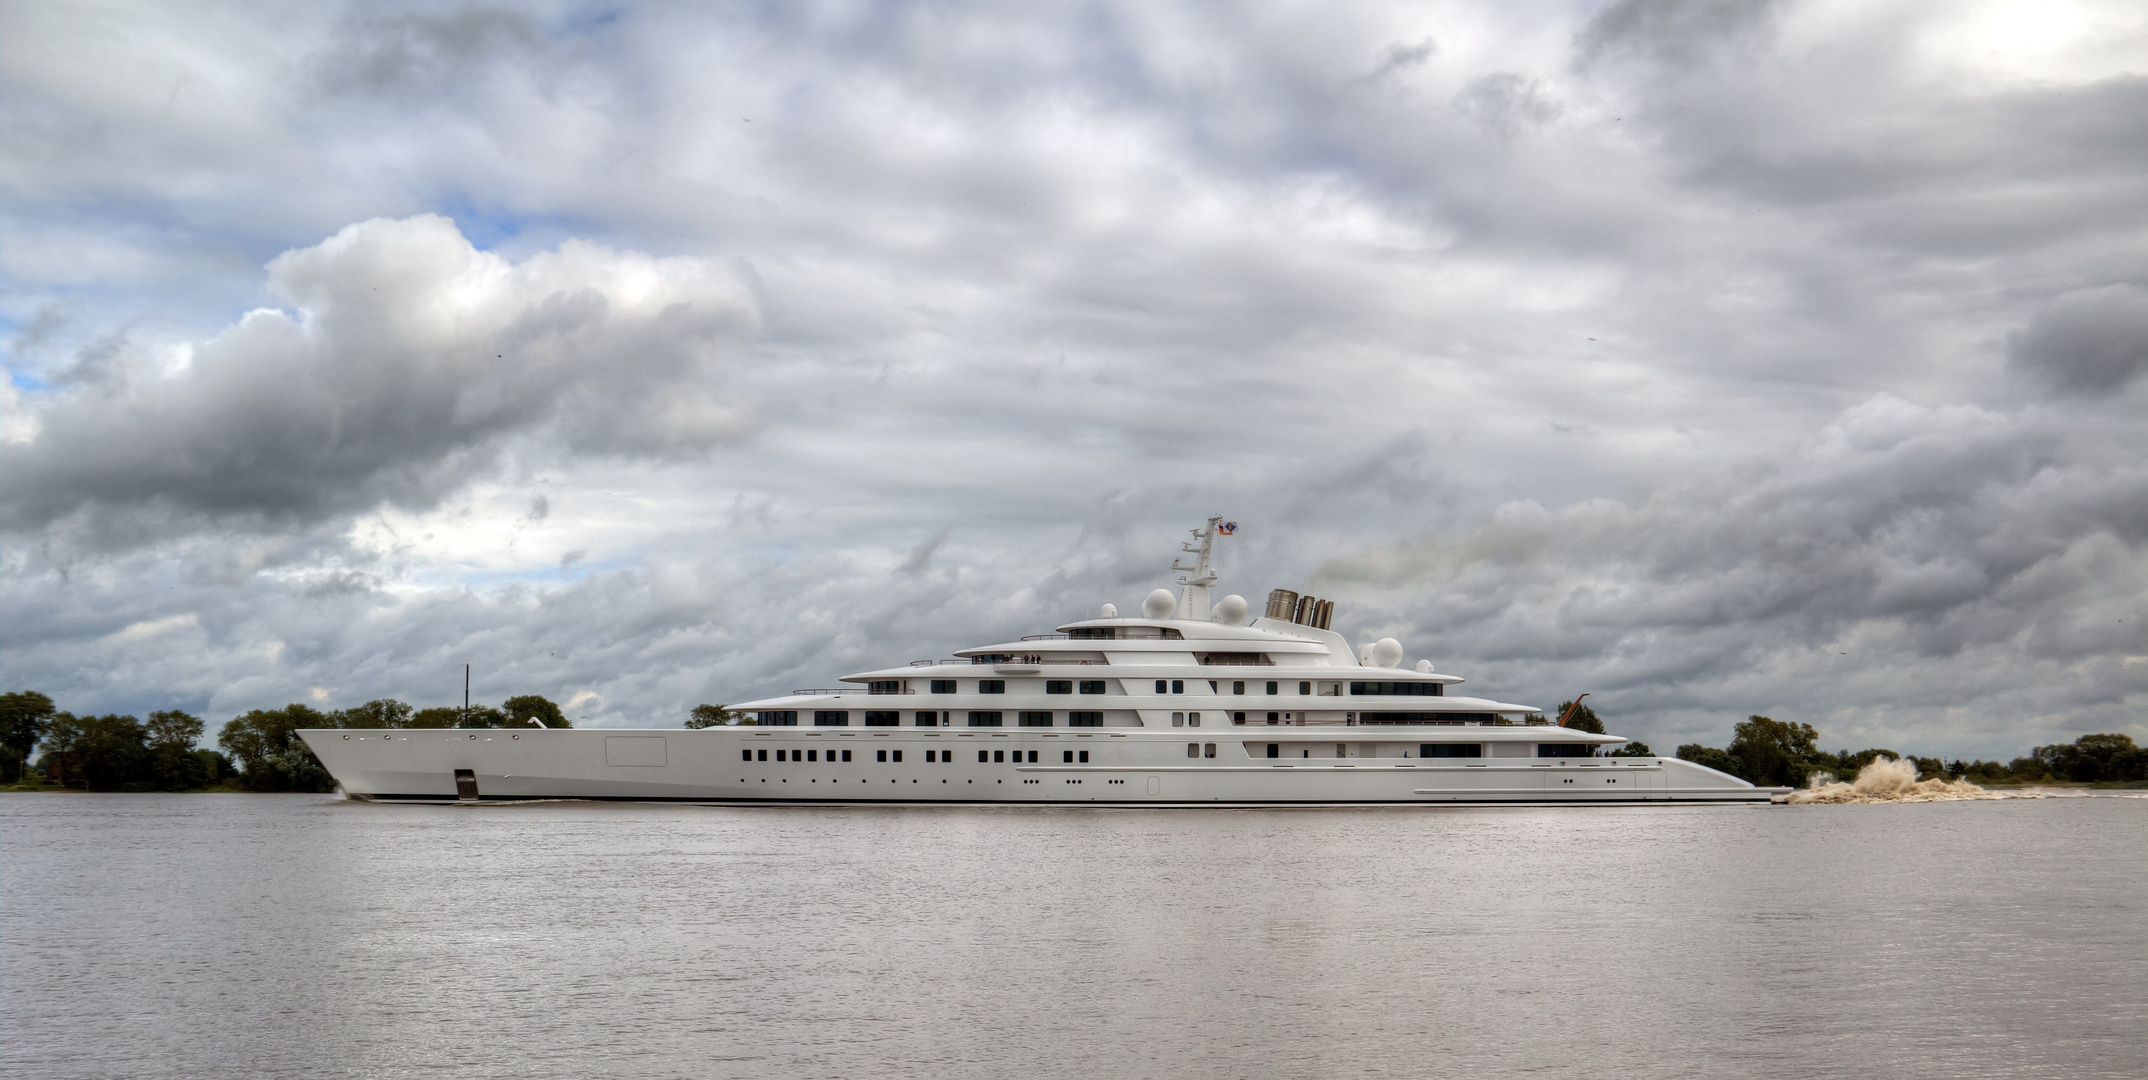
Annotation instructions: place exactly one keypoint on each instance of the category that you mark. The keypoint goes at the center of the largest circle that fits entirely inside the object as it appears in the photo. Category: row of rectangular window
(999, 686)
(928, 718)
(1070, 757)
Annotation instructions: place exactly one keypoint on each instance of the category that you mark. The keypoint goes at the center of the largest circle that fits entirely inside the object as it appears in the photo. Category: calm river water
(298, 936)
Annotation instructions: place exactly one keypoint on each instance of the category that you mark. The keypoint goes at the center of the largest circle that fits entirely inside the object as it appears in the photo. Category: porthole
(514, 736)
(346, 738)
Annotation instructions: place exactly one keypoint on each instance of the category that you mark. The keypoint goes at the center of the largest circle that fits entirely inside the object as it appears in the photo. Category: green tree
(270, 754)
(23, 717)
(1634, 749)
(172, 763)
(2091, 758)
(439, 716)
(1708, 756)
(480, 716)
(109, 752)
(708, 716)
(378, 713)
(521, 710)
(1774, 753)
(1584, 718)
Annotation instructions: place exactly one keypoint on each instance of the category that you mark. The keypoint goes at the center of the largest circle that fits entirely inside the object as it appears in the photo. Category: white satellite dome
(1231, 610)
(1111, 611)
(1424, 667)
(1386, 652)
(1160, 604)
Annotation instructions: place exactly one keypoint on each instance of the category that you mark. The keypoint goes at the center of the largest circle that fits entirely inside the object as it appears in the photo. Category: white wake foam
(1886, 780)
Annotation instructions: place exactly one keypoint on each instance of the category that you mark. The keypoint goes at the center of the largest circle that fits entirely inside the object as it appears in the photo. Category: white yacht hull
(1138, 767)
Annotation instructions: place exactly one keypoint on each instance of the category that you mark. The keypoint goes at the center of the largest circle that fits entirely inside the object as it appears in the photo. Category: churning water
(298, 936)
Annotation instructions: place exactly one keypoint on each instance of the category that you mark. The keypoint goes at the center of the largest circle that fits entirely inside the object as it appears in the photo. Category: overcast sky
(1713, 357)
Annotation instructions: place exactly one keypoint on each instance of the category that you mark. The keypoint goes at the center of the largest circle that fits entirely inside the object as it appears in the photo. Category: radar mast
(1193, 599)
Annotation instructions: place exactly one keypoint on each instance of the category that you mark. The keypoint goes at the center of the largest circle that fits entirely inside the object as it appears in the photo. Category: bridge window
(1565, 749)
(928, 719)
(1443, 749)
(1027, 718)
(1058, 686)
(991, 686)
(1092, 686)
(1399, 689)
(784, 718)
(1085, 719)
(831, 718)
(884, 686)
(943, 686)
(877, 718)
(984, 719)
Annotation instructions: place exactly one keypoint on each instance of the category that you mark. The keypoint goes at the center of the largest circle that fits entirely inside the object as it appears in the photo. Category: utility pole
(466, 693)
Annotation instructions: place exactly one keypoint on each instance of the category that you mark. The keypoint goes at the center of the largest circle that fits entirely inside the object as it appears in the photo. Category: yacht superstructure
(1191, 702)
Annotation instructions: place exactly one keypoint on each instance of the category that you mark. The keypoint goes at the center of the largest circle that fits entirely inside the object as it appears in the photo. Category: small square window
(999, 756)
(1193, 749)
(1238, 718)
(883, 755)
(1275, 718)
(931, 756)
(1092, 686)
(1271, 686)
(980, 757)
(1161, 686)
(812, 755)
(1058, 686)
(1085, 757)
(1066, 757)
(764, 756)
(1032, 757)
(991, 686)
(846, 755)
(1238, 687)
(1208, 750)
(749, 753)
(779, 755)
(943, 686)
(898, 755)
(1193, 719)
(1305, 688)
(1178, 686)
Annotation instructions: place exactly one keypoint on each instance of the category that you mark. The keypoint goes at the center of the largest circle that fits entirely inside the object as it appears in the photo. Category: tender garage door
(643, 750)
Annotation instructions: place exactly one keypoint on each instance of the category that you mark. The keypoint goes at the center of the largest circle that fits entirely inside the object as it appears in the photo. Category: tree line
(1773, 753)
(260, 750)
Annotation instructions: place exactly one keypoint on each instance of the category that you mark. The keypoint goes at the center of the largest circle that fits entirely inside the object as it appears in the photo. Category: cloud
(2091, 341)
(1991, 564)
(406, 363)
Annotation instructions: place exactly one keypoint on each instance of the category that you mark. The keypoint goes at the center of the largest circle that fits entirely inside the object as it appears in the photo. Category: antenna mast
(1193, 600)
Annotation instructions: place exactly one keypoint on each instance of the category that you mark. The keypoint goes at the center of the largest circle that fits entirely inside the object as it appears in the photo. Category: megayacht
(1190, 703)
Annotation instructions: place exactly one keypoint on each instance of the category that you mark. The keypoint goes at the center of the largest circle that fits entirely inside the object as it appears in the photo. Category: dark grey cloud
(2090, 341)
(406, 364)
